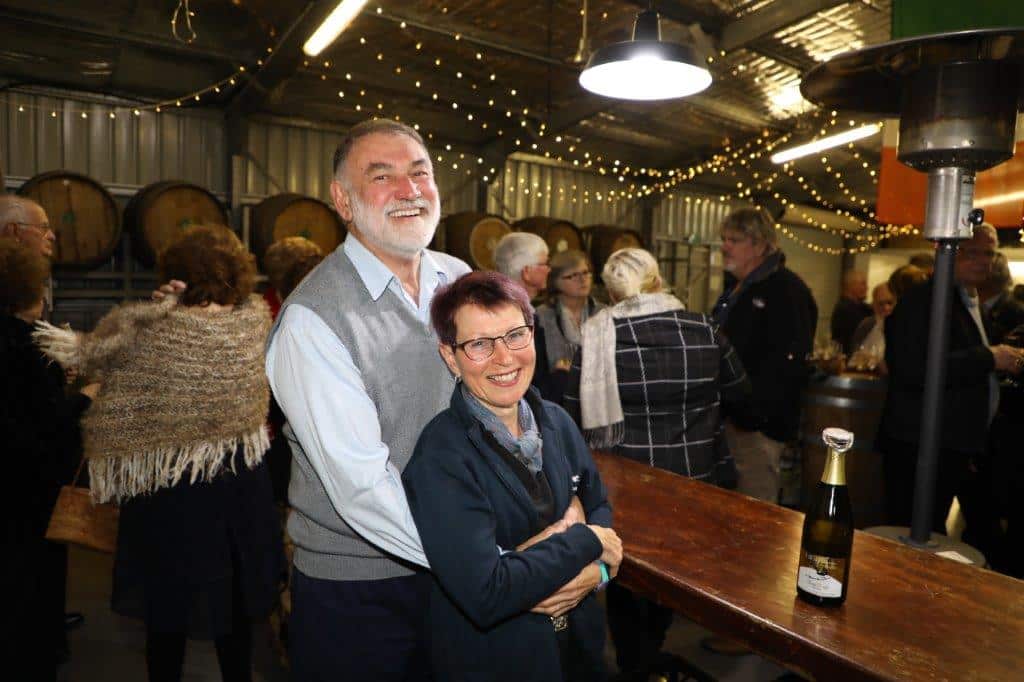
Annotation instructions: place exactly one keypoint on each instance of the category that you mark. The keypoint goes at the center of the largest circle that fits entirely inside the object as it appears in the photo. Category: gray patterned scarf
(527, 448)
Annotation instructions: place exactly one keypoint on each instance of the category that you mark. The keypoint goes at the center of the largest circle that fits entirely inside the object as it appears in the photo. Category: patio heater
(957, 96)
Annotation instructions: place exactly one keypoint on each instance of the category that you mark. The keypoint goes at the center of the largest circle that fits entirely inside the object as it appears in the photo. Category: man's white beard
(374, 225)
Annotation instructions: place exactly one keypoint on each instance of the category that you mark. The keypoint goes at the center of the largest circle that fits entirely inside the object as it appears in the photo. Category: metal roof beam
(122, 37)
(768, 20)
(284, 61)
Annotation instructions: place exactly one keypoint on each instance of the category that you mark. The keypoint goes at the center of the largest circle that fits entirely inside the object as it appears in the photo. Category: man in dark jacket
(971, 394)
(42, 444)
(769, 315)
(850, 309)
(1004, 312)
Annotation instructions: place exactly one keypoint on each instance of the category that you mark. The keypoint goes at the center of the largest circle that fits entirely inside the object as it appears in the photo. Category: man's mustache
(407, 205)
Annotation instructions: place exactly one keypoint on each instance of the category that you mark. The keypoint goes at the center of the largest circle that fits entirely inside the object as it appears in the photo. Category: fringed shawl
(182, 390)
(600, 405)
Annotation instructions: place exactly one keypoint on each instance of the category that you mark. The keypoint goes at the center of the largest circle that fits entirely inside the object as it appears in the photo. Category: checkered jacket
(674, 372)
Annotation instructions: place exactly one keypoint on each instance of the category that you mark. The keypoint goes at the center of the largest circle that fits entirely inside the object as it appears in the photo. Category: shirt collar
(376, 276)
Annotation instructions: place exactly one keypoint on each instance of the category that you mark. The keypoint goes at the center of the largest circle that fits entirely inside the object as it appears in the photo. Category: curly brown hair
(214, 264)
(23, 276)
(297, 272)
(281, 256)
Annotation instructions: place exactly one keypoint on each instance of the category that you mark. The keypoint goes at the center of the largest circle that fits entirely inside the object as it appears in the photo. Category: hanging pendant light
(583, 51)
(645, 68)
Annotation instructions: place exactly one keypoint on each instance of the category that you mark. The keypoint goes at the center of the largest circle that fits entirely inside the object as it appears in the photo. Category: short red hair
(487, 289)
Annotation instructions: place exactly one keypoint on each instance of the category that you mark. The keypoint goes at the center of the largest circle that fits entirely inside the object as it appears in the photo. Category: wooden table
(729, 563)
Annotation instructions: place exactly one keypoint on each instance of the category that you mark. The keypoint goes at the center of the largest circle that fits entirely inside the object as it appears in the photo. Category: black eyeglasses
(578, 276)
(483, 347)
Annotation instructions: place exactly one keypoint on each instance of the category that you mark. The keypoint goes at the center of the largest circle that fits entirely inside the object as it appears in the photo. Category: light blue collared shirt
(973, 306)
(340, 431)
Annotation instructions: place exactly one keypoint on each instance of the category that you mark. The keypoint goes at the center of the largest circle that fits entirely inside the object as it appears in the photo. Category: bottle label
(817, 574)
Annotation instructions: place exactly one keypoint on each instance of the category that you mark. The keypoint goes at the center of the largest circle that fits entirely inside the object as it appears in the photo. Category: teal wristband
(605, 578)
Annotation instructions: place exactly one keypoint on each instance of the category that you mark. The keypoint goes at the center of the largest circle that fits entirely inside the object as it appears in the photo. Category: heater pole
(934, 385)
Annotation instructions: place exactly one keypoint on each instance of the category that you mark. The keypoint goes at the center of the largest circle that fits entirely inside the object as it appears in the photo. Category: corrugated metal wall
(295, 158)
(821, 271)
(691, 216)
(42, 133)
(530, 188)
(685, 227)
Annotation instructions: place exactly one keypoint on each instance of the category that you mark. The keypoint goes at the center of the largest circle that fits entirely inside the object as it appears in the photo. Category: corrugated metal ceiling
(469, 52)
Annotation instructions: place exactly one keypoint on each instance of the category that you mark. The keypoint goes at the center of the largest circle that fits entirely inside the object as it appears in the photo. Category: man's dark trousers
(359, 630)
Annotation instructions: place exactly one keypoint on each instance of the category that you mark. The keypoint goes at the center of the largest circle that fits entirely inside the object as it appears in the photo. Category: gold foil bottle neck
(835, 468)
(838, 441)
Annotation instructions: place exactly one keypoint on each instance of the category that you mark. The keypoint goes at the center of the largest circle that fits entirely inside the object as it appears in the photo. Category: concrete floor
(110, 647)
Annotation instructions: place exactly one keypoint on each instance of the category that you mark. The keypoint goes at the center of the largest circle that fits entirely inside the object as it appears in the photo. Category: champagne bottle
(827, 541)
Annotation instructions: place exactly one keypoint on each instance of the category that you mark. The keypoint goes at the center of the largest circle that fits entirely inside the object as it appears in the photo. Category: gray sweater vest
(397, 357)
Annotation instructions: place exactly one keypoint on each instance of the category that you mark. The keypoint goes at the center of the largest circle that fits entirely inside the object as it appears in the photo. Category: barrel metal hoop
(839, 401)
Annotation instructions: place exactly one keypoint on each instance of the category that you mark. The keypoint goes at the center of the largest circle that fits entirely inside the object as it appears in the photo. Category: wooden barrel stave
(472, 237)
(560, 235)
(854, 404)
(604, 240)
(160, 211)
(83, 215)
(295, 215)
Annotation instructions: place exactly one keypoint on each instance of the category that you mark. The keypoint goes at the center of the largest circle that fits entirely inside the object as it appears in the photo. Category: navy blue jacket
(469, 505)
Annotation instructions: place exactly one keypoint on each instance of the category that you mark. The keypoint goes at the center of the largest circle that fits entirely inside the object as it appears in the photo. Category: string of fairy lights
(481, 76)
(116, 111)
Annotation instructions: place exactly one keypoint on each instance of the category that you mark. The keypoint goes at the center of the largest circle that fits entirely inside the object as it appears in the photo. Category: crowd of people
(430, 429)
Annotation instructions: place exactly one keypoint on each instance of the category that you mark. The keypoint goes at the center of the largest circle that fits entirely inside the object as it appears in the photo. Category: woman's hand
(571, 593)
(171, 288)
(575, 514)
(90, 390)
(557, 527)
(611, 545)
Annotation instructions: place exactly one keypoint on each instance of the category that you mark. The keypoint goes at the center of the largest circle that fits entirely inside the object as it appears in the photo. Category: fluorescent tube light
(1000, 199)
(826, 143)
(336, 22)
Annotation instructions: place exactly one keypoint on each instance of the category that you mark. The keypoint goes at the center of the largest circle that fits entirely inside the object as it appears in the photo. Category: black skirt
(191, 557)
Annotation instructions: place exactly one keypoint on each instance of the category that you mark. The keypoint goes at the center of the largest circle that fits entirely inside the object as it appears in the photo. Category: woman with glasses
(496, 486)
(570, 283)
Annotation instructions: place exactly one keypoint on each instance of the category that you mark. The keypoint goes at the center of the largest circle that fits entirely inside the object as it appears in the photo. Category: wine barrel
(604, 240)
(295, 215)
(853, 402)
(472, 237)
(82, 213)
(560, 235)
(159, 212)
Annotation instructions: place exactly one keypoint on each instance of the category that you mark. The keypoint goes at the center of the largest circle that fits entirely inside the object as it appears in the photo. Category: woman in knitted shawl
(176, 436)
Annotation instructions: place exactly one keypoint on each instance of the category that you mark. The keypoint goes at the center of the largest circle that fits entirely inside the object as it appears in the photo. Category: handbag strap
(78, 472)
